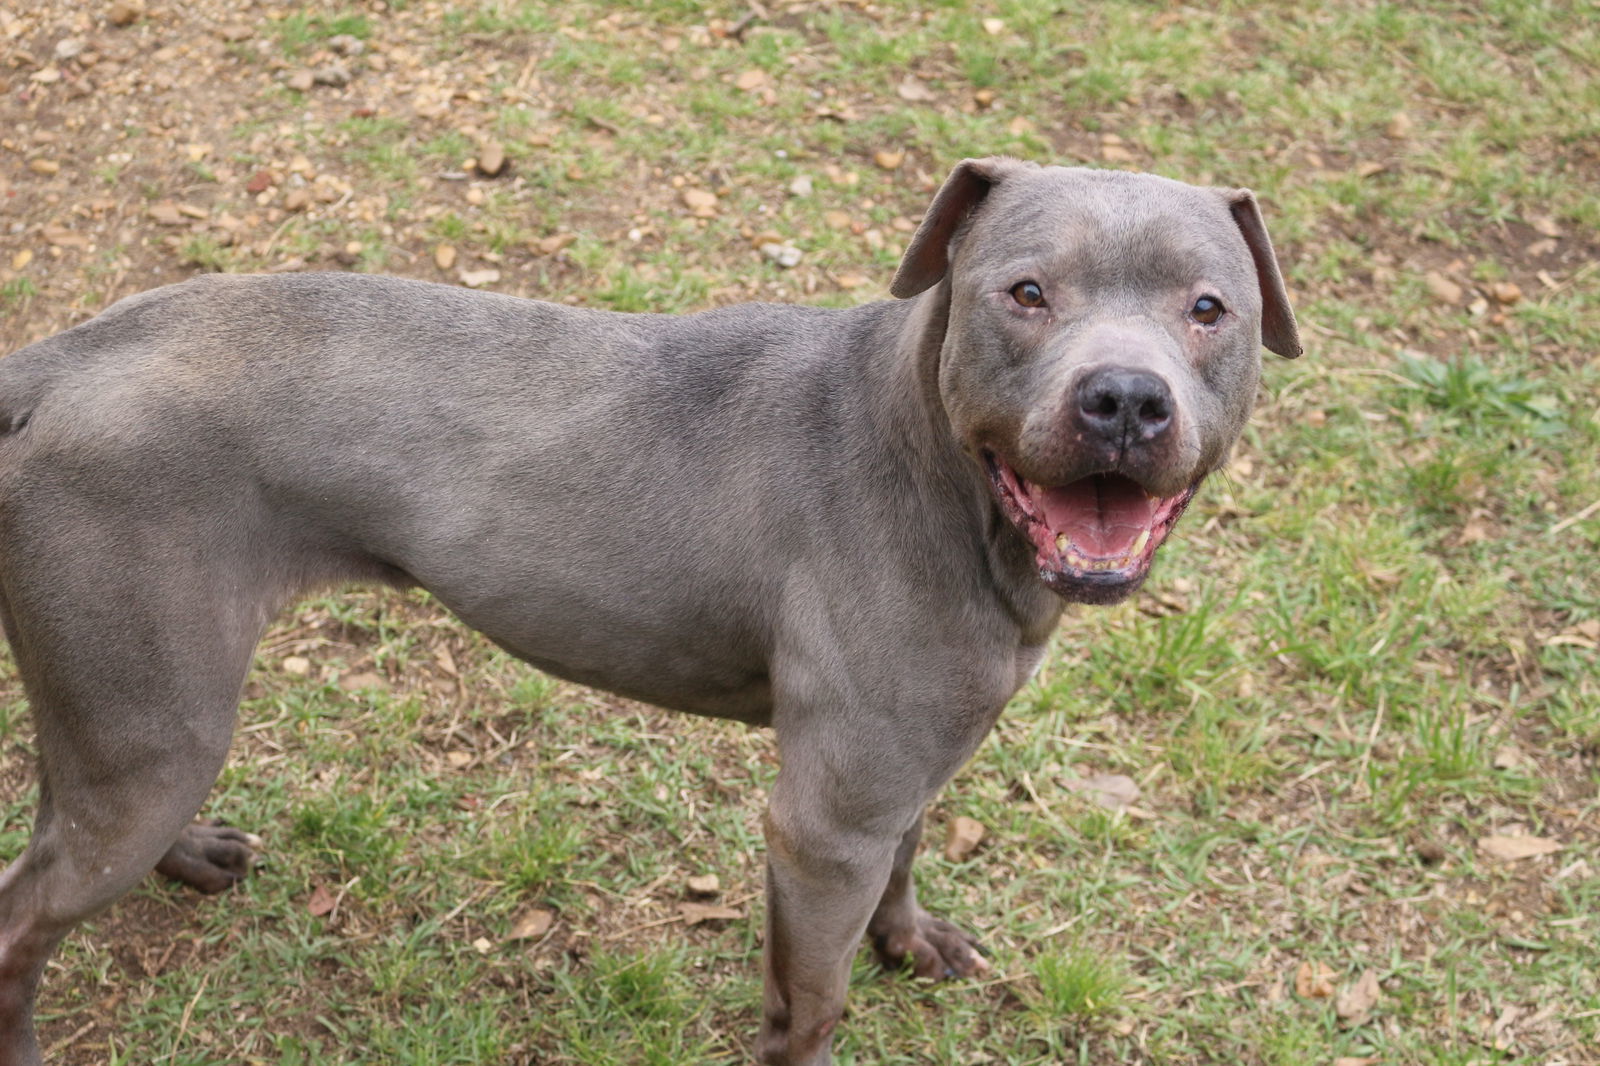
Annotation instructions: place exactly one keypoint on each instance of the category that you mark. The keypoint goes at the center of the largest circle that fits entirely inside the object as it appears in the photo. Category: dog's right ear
(928, 255)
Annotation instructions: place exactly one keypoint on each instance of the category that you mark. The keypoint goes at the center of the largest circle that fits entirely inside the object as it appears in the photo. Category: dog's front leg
(833, 826)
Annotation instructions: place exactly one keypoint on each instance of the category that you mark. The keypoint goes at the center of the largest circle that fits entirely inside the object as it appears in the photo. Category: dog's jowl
(889, 506)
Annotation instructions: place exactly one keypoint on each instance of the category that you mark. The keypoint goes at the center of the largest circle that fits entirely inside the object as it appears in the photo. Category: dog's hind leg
(134, 679)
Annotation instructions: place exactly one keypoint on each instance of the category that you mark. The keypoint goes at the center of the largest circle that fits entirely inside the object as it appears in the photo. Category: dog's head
(1101, 352)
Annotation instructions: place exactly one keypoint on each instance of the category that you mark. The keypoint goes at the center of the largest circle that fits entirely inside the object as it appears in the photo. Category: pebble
(47, 167)
(702, 203)
(491, 158)
(888, 160)
(1442, 288)
(334, 74)
(444, 257)
(301, 80)
(704, 885)
(785, 255)
(962, 837)
(125, 12)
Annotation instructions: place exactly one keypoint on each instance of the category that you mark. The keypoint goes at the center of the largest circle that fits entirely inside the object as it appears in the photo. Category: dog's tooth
(1063, 542)
(1139, 543)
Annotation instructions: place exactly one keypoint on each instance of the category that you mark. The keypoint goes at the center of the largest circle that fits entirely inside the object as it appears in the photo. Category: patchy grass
(1372, 645)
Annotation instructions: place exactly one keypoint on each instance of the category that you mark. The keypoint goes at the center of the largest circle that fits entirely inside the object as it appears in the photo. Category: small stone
(1506, 292)
(235, 32)
(47, 167)
(801, 186)
(259, 182)
(1545, 226)
(704, 885)
(22, 259)
(785, 255)
(531, 924)
(1431, 852)
(702, 203)
(554, 243)
(301, 81)
(458, 759)
(750, 79)
(125, 12)
(476, 196)
(297, 199)
(296, 665)
(1401, 126)
(1115, 153)
(1442, 288)
(984, 98)
(887, 160)
(476, 279)
(491, 158)
(994, 27)
(69, 48)
(346, 45)
(333, 74)
(962, 837)
(444, 257)
(166, 213)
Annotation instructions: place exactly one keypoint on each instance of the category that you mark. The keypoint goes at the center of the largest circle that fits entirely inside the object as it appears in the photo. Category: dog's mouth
(1095, 537)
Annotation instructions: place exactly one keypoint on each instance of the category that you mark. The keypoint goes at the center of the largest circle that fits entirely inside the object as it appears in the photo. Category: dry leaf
(888, 160)
(1357, 1001)
(913, 90)
(1510, 849)
(1313, 980)
(962, 837)
(695, 913)
(531, 924)
(750, 79)
(1111, 791)
(321, 902)
(22, 259)
(1345, 1060)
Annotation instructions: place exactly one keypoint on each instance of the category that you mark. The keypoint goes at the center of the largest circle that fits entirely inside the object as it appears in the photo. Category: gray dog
(856, 526)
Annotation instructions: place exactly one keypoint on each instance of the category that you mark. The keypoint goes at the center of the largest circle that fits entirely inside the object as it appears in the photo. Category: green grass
(1369, 645)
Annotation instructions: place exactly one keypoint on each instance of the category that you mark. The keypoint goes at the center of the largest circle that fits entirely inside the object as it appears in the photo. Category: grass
(1370, 645)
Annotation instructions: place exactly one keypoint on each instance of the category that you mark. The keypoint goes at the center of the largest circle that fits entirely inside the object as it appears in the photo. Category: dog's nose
(1125, 405)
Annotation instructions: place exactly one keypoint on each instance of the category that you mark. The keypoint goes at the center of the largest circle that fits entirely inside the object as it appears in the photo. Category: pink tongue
(1102, 515)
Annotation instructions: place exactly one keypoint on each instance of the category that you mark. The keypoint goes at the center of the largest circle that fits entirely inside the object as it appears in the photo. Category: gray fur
(775, 514)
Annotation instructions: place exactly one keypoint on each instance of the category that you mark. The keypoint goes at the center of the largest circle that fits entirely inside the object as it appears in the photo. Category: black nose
(1124, 405)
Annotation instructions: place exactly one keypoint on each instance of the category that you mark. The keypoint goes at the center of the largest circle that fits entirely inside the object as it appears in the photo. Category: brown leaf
(1356, 1001)
(1313, 980)
(888, 160)
(962, 837)
(322, 901)
(750, 79)
(531, 924)
(695, 913)
(1510, 849)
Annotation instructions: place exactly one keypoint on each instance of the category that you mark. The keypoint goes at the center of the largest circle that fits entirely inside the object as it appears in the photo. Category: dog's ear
(1278, 330)
(928, 255)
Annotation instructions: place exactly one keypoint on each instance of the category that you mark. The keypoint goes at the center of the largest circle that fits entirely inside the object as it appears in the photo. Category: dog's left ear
(1278, 330)
(928, 255)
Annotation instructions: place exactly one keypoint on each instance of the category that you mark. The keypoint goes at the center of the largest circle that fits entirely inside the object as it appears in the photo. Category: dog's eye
(1028, 294)
(1206, 310)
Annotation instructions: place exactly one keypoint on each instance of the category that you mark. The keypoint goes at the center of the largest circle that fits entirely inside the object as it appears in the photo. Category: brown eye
(1028, 294)
(1206, 310)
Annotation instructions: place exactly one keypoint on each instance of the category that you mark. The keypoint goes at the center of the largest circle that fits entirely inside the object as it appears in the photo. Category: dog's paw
(934, 948)
(210, 857)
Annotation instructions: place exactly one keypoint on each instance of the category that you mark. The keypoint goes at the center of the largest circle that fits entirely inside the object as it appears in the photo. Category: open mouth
(1095, 537)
